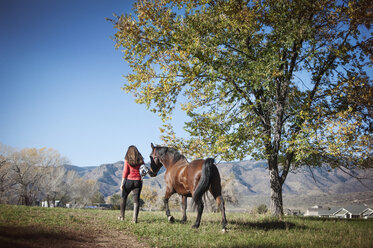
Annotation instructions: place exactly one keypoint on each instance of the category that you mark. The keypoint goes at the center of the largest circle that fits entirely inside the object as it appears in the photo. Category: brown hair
(133, 156)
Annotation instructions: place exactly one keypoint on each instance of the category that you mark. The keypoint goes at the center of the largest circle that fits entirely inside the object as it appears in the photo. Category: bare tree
(67, 189)
(150, 197)
(115, 201)
(228, 190)
(4, 169)
(32, 174)
(84, 191)
(53, 183)
(25, 175)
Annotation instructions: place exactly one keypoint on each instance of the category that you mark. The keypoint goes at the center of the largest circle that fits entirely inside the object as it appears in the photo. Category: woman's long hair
(134, 157)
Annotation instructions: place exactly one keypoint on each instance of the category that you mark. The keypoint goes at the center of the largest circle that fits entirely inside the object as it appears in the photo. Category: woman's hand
(122, 184)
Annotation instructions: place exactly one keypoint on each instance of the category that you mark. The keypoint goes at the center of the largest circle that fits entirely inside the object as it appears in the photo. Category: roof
(317, 209)
(353, 210)
(330, 211)
(356, 209)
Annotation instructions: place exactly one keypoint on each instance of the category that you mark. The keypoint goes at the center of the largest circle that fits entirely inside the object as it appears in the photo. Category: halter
(156, 159)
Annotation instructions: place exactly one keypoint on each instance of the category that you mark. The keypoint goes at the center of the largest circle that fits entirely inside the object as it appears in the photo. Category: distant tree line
(30, 176)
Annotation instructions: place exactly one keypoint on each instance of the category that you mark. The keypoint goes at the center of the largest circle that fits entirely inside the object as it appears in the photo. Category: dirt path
(117, 238)
(34, 236)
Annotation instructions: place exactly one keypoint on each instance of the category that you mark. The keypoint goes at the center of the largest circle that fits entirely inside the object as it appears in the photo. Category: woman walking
(132, 180)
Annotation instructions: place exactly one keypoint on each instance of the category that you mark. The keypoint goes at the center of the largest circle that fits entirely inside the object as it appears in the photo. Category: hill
(250, 180)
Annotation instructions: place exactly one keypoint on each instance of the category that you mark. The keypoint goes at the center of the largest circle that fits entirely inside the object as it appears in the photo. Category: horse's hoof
(171, 219)
(224, 230)
(195, 226)
(120, 218)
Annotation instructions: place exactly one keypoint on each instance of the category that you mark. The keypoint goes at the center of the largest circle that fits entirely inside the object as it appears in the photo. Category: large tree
(281, 80)
(29, 174)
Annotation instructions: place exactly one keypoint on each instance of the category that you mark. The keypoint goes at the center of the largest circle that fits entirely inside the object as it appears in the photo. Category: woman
(131, 181)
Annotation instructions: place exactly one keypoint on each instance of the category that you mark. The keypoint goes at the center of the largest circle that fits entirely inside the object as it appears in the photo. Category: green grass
(245, 230)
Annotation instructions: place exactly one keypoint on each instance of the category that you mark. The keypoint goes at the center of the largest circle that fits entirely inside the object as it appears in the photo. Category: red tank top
(130, 172)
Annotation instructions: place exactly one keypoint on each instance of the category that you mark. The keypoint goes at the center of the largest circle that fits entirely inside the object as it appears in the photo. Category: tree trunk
(25, 197)
(276, 190)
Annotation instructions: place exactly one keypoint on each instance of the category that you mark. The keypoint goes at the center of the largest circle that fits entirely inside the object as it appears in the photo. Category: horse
(188, 180)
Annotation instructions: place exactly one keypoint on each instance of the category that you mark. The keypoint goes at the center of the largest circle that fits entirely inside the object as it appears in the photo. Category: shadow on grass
(268, 225)
(335, 220)
(32, 236)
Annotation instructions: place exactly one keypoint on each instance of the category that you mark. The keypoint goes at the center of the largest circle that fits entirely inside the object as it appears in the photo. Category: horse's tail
(204, 182)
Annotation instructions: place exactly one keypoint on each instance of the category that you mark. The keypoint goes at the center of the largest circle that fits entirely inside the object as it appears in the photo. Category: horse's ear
(152, 145)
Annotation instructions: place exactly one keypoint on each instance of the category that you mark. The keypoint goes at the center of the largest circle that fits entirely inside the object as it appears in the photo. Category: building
(52, 204)
(348, 212)
(315, 211)
(103, 205)
(330, 212)
(354, 212)
(367, 213)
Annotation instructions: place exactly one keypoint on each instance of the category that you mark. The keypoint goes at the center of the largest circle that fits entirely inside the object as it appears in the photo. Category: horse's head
(155, 163)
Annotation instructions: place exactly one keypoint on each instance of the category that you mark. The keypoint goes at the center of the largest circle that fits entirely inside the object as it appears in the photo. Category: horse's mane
(163, 150)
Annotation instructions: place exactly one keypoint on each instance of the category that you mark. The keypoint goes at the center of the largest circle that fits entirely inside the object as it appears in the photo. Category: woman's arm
(126, 172)
(123, 183)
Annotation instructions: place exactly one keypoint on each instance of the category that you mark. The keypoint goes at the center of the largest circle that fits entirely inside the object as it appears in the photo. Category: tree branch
(242, 52)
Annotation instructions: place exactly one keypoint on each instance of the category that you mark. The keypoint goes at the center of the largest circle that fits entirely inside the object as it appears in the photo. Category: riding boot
(122, 208)
(136, 208)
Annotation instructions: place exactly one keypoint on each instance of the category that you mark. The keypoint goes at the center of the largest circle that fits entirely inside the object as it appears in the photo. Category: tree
(4, 171)
(25, 175)
(85, 191)
(278, 80)
(34, 173)
(261, 209)
(54, 184)
(149, 196)
(98, 197)
(115, 201)
(228, 190)
(31, 175)
(66, 192)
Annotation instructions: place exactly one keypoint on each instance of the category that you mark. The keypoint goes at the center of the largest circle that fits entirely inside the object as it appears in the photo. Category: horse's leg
(184, 206)
(166, 198)
(221, 205)
(199, 213)
(215, 190)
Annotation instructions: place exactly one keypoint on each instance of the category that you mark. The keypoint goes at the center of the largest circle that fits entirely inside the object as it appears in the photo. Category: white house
(354, 212)
(349, 212)
(51, 204)
(330, 212)
(315, 211)
(367, 213)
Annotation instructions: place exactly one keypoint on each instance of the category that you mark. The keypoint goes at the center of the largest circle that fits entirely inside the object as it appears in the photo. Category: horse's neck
(168, 163)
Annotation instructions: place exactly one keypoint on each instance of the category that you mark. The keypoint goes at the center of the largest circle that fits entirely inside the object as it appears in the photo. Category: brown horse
(188, 180)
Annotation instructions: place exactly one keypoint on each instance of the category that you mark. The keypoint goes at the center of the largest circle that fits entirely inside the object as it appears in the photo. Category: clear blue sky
(60, 80)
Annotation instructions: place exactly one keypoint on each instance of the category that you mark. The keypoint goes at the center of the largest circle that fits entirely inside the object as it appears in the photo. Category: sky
(61, 79)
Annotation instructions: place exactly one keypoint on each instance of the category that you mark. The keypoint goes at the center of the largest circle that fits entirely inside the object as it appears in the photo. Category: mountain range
(303, 187)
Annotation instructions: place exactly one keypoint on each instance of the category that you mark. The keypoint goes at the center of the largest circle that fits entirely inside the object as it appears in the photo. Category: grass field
(22, 226)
